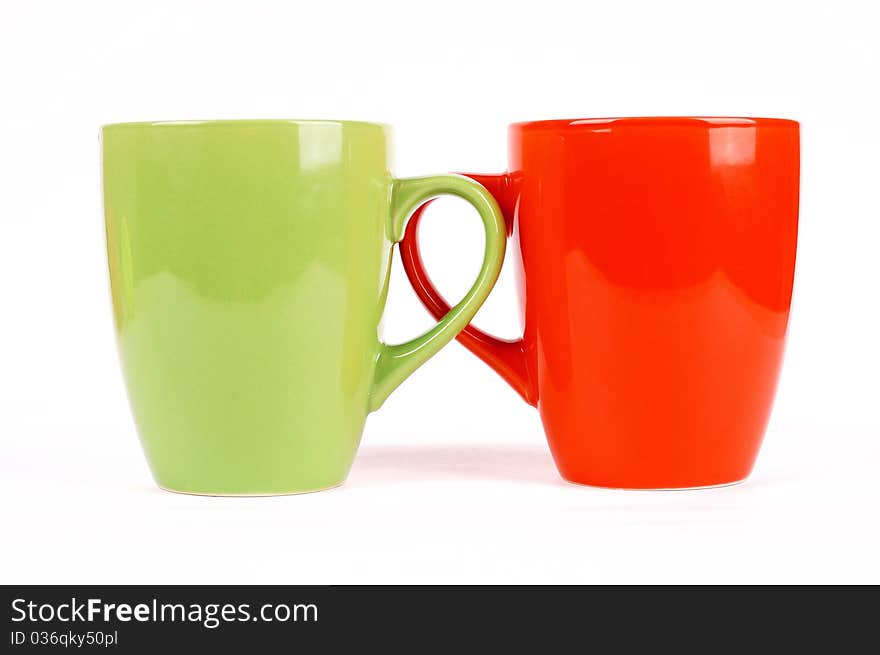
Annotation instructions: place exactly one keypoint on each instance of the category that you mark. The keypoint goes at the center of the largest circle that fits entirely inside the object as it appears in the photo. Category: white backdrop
(454, 482)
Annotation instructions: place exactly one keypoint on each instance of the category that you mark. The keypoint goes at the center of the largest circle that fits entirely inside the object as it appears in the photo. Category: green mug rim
(244, 122)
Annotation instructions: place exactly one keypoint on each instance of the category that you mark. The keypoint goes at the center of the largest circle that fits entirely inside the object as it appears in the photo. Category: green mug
(249, 265)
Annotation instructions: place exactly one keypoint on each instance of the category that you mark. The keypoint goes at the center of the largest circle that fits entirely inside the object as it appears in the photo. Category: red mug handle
(507, 358)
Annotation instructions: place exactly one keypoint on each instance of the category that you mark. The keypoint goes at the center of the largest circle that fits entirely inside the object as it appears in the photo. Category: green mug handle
(396, 363)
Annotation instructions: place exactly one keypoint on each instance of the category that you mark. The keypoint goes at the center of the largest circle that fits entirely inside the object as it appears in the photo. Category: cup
(249, 265)
(655, 259)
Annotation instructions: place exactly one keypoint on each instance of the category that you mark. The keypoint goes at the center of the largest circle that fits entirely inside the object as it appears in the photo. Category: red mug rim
(656, 121)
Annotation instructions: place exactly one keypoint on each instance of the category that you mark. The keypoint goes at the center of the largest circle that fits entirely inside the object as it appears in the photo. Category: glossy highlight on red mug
(656, 261)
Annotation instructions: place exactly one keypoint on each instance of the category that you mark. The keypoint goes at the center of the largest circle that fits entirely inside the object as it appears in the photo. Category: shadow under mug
(655, 258)
(249, 266)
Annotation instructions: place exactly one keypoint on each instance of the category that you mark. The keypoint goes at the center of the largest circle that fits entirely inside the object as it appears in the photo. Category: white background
(454, 482)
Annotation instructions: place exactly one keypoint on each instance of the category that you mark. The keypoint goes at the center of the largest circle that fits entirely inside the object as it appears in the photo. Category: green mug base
(257, 494)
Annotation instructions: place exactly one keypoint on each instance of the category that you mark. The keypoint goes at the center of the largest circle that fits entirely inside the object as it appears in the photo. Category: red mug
(656, 259)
